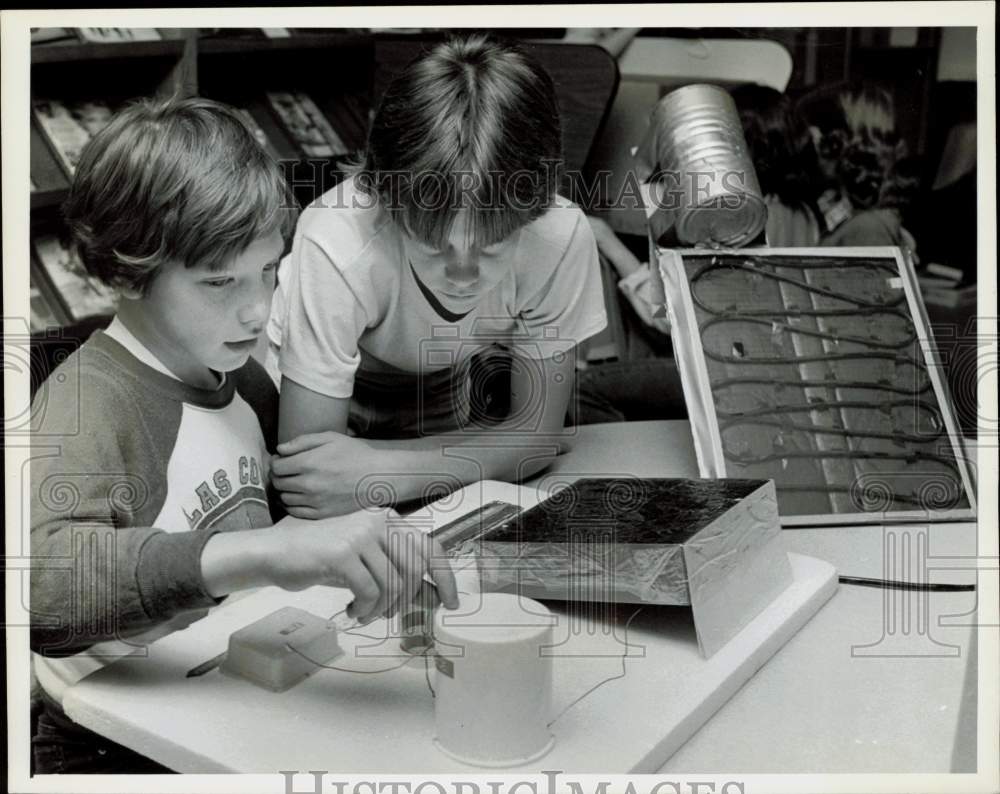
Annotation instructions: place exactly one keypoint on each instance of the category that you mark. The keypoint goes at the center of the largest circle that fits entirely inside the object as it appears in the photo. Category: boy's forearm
(496, 454)
(233, 561)
(97, 582)
(608, 243)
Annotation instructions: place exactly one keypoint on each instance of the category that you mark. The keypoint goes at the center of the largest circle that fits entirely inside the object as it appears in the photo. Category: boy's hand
(317, 474)
(377, 554)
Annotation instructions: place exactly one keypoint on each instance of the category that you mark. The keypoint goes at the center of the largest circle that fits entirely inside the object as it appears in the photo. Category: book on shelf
(263, 34)
(253, 34)
(946, 272)
(258, 132)
(83, 295)
(949, 297)
(68, 126)
(118, 35)
(942, 285)
(308, 128)
(48, 35)
(43, 314)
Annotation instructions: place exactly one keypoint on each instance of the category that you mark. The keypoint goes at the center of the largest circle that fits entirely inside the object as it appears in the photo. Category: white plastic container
(494, 680)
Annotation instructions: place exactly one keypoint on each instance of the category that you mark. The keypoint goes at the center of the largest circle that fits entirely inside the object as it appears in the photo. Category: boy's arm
(321, 474)
(95, 578)
(101, 572)
(92, 582)
(96, 573)
(379, 556)
(302, 411)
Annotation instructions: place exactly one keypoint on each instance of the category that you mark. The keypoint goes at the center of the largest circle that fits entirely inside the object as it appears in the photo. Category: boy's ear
(130, 292)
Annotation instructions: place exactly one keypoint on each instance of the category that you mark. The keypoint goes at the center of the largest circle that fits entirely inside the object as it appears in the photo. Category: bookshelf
(67, 51)
(330, 72)
(327, 72)
(298, 40)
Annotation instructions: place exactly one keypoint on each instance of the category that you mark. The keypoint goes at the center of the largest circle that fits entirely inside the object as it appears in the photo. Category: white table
(855, 690)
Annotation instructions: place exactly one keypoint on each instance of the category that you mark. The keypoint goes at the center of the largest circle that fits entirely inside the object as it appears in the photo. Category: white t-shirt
(349, 314)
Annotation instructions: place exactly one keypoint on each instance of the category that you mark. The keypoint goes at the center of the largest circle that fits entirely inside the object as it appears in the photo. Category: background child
(864, 163)
(163, 425)
(449, 241)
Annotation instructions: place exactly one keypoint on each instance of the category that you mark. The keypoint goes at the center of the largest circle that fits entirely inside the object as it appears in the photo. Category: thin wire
(355, 633)
(831, 431)
(920, 501)
(895, 584)
(861, 305)
(774, 325)
(726, 383)
(597, 686)
(427, 669)
(346, 669)
(352, 631)
(853, 454)
(827, 404)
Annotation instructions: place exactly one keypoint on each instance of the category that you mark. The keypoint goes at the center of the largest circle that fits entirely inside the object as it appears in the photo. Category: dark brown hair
(472, 123)
(173, 180)
(779, 142)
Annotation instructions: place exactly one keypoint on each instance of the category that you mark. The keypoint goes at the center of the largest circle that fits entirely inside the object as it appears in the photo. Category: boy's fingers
(444, 578)
(283, 486)
(288, 482)
(427, 597)
(385, 575)
(363, 585)
(412, 553)
(282, 466)
(402, 548)
(409, 557)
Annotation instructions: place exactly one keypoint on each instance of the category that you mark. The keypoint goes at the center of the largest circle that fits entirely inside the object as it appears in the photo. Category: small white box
(281, 649)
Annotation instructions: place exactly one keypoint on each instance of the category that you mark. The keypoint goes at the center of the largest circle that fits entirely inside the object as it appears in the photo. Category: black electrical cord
(895, 584)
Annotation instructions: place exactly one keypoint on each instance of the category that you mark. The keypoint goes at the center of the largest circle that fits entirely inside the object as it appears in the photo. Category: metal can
(709, 186)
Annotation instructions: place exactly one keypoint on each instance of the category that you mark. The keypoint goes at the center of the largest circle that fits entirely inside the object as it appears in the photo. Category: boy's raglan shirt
(132, 472)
